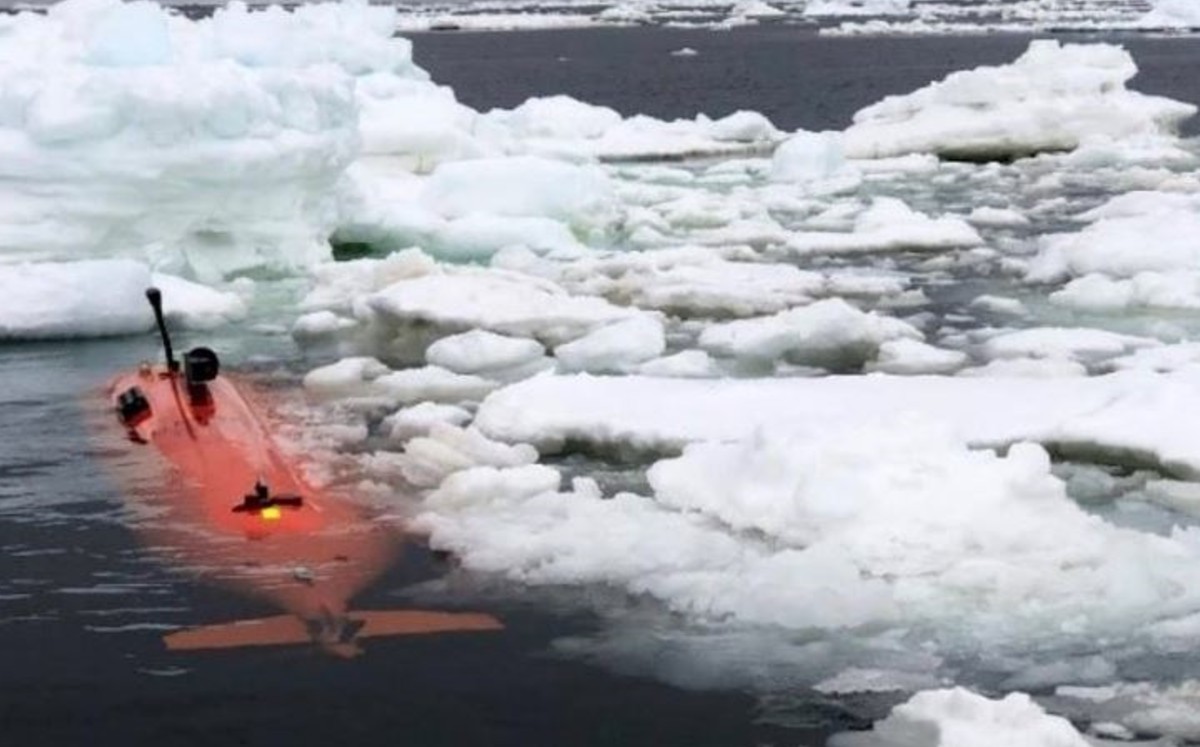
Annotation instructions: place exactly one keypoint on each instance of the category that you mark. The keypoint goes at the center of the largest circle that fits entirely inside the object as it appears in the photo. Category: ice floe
(1114, 415)
(615, 347)
(77, 299)
(503, 302)
(1125, 709)
(1081, 344)
(102, 297)
(890, 523)
(1053, 98)
(1171, 14)
(830, 334)
(958, 717)
(479, 351)
(888, 225)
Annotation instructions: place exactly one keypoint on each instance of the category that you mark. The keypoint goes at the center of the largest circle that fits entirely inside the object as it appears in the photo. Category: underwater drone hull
(215, 494)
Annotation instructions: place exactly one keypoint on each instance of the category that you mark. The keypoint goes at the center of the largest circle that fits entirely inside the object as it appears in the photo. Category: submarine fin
(287, 630)
(378, 623)
(281, 630)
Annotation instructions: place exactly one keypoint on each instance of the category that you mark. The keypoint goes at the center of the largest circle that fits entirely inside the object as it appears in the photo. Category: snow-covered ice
(889, 225)
(958, 718)
(1053, 98)
(1115, 415)
(830, 334)
(75, 299)
(102, 297)
(503, 302)
(202, 147)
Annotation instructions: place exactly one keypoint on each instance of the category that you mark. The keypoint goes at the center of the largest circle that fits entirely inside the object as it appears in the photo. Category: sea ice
(908, 357)
(1117, 416)
(1082, 344)
(1171, 14)
(695, 281)
(428, 460)
(886, 523)
(1139, 238)
(495, 300)
(1052, 98)
(196, 306)
(889, 225)
(579, 196)
(481, 352)
(856, 7)
(960, 718)
(615, 347)
(410, 422)
(89, 298)
(830, 334)
(808, 156)
(93, 298)
(194, 145)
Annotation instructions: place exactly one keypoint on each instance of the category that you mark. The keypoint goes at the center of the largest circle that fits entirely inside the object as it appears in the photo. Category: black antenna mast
(154, 296)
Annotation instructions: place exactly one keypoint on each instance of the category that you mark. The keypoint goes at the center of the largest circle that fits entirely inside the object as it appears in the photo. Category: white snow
(960, 718)
(615, 347)
(808, 156)
(349, 377)
(908, 357)
(856, 7)
(1082, 344)
(1000, 305)
(74, 299)
(889, 522)
(1117, 415)
(418, 420)
(1144, 707)
(997, 217)
(430, 384)
(889, 225)
(206, 148)
(1052, 98)
(367, 380)
(686, 365)
(560, 126)
(696, 281)
(480, 352)
(495, 300)
(320, 325)
(829, 333)
(1171, 14)
(1099, 292)
(579, 196)
(1143, 239)
(428, 460)
(94, 298)
(196, 306)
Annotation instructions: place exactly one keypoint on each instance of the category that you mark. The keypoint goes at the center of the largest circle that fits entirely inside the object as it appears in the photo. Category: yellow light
(271, 513)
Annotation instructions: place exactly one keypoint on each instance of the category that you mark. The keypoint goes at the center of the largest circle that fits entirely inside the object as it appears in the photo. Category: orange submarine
(222, 500)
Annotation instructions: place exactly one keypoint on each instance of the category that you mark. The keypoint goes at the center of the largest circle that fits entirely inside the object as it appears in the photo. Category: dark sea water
(83, 604)
(796, 77)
